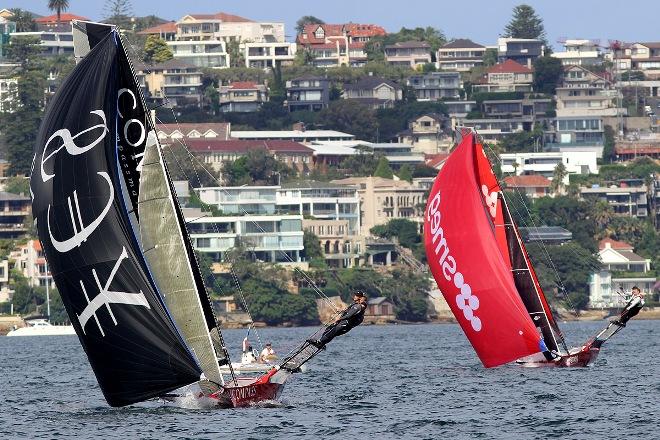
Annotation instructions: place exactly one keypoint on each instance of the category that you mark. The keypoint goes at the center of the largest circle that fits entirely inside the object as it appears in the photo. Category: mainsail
(83, 216)
(465, 252)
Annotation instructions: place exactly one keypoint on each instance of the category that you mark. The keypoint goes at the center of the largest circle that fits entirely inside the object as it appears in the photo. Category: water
(392, 382)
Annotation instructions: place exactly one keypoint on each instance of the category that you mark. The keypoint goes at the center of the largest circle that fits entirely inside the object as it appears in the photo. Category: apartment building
(52, 42)
(201, 53)
(14, 211)
(580, 53)
(460, 55)
(408, 53)
(374, 92)
(31, 261)
(384, 199)
(310, 93)
(173, 82)
(583, 92)
(506, 76)
(637, 56)
(521, 50)
(242, 96)
(434, 86)
(625, 200)
(545, 163)
(428, 134)
(622, 269)
(266, 55)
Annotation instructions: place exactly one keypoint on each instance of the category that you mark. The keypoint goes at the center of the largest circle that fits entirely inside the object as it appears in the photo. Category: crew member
(632, 308)
(349, 318)
(248, 356)
(267, 354)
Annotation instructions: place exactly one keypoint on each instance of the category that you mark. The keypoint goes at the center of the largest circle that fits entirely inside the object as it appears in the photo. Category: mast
(47, 289)
(528, 285)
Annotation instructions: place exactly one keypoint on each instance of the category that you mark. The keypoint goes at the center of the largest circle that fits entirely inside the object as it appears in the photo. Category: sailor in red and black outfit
(349, 318)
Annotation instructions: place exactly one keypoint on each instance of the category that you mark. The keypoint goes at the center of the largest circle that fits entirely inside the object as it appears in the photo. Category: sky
(480, 20)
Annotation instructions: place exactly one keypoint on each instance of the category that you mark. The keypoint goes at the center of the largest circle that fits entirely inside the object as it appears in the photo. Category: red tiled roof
(509, 66)
(165, 28)
(530, 181)
(221, 16)
(364, 30)
(614, 244)
(434, 160)
(338, 30)
(243, 85)
(200, 145)
(64, 18)
(36, 244)
(638, 150)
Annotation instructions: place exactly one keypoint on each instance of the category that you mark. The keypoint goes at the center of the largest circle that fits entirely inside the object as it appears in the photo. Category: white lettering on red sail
(467, 263)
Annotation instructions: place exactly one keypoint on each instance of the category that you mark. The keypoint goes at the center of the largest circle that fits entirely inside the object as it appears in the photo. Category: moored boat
(41, 327)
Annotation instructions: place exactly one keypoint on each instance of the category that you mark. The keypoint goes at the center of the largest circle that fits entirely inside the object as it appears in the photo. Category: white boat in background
(41, 327)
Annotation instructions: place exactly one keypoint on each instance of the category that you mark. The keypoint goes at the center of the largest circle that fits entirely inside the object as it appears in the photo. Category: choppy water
(398, 382)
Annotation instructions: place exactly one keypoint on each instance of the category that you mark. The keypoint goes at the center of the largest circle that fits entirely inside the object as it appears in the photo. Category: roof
(435, 160)
(614, 244)
(292, 134)
(165, 28)
(530, 181)
(7, 196)
(337, 30)
(650, 45)
(243, 146)
(332, 150)
(243, 85)
(546, 233)
(462, 43)
(509, 66)
(221, 128)
(64, 17)
(229, 18)
(370, 82)
(378, 300)
(408, 45)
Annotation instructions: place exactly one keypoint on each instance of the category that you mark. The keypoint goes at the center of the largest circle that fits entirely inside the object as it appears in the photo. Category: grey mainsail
(164, 247)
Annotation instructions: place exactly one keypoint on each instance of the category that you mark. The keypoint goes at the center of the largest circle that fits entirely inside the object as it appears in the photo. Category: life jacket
(358, 317)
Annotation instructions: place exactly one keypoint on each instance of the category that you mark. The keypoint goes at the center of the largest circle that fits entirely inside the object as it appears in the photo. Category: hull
(53, 330)
(252, 391)
(577, 358)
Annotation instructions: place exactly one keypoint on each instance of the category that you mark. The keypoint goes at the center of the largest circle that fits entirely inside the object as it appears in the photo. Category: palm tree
(23, 19)
(58, 6)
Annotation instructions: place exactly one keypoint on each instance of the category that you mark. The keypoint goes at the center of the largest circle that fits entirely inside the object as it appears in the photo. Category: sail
(164, 248)
(82, 217)
(468, 266)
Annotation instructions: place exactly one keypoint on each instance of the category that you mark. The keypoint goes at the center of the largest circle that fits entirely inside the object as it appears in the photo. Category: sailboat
(115, 238)
(479, 261)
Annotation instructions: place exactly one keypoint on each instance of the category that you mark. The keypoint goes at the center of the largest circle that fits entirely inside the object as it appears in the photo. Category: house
(384, 199)
(408, 53)
(645, 57)
(53, 41)
(14, 211)
(460, 55)
(625, 200)
(164, 31)
(533, 186)
(242, 96)
(397, 154)
(544, 163)
(427, 134)
(53, 23)
(374, 92)
(521, 50)
(31, 261)
(311, 93)
(173, 82)
(215, 152)
(622, 269)
(580, 53)
(379, 311)
(204, 53)
(506, 76)
(584, 93)
(337, 44)
(434, 86)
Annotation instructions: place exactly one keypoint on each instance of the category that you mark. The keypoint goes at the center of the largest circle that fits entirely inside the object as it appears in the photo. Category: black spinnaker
(83, 205)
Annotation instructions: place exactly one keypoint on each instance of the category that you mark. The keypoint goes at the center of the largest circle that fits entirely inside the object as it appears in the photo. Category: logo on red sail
(467, 302)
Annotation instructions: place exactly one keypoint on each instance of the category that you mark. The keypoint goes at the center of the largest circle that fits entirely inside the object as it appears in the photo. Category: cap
(358, 293)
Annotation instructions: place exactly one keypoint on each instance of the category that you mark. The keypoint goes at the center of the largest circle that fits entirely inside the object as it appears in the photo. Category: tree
(24, 20)
(405, 173)
(574, 215)
(305, 20)
(119, 12)
(524, 141)
(17, 185)
(58, 6)
(256, 167)
(406, 231)
(558, 176)
(490, 57)
(350, 117)
(548, 73)
(383, 169)
(20, 123)
(304, 57)
(361, 164)
(156, 50)
(312, 250)
(236, 56)
(525, 24)
(609, 153)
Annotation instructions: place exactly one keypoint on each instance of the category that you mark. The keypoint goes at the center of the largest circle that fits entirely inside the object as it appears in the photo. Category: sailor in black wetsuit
(632, 308)
(351, 317)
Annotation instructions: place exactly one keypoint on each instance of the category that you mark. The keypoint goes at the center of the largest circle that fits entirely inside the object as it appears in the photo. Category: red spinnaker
(466, 260)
